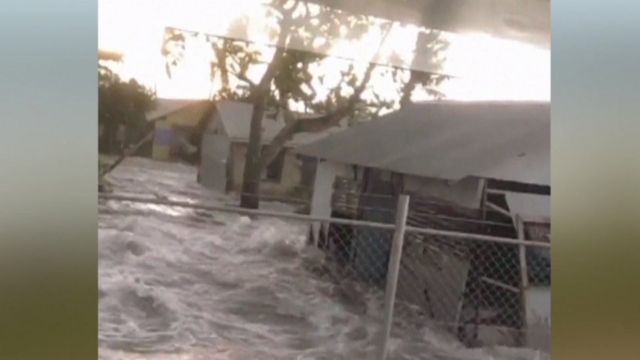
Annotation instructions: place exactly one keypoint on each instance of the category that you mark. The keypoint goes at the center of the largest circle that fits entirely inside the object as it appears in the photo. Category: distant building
(224, 148)
(175, 123)
(469, 167)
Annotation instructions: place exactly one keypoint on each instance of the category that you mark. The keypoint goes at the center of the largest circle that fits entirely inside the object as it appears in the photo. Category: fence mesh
(481, 292)
(360, 251)
(474, 288)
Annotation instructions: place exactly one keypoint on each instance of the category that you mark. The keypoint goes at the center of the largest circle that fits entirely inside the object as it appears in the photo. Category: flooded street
(187, 284)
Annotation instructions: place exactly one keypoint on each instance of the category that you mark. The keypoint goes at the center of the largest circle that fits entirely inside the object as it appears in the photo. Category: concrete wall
(325, 175)
(322, 189)
(322, 185)
(214, 161)
(290, 181)
(538, 303)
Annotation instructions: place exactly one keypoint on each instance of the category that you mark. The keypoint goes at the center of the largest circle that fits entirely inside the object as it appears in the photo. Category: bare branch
(263, 87)
(291, 127)
(287, 22)
(243, 77)
(333, 118)
(286, 111)
(408, 88)
(297, 125)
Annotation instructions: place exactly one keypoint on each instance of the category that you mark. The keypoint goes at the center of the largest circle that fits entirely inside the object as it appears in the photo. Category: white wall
(322, 190)
(214, 157)
(215, 150)
(538, 303)
(529, 204)
(326, 172)
(290, 180)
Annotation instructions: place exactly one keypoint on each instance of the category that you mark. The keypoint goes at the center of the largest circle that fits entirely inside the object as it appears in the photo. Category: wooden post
(392, 271)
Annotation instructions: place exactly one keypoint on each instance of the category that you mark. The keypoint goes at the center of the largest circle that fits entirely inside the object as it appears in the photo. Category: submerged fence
(481, 289)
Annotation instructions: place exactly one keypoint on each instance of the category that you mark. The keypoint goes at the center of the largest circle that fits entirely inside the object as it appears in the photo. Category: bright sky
(486, 68)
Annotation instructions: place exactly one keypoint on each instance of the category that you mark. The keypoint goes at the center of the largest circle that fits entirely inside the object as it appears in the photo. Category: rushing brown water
(184, 284)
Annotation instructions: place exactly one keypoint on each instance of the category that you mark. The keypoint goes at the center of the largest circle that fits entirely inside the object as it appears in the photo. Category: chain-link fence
(455, 273)
(486, 291)
(447, 271)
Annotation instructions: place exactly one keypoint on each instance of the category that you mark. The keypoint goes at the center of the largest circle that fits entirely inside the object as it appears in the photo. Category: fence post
(524, 279)
(392, 272)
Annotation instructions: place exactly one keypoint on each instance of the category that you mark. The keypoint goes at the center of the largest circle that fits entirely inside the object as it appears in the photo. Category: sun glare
(484, 67)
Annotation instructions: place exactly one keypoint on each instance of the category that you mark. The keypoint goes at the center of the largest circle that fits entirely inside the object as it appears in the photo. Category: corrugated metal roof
(450, 140)
(236, 120)
(165, 107)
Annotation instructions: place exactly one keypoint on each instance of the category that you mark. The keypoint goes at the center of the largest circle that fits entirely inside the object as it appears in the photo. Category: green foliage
(301, 78)
(120, 103)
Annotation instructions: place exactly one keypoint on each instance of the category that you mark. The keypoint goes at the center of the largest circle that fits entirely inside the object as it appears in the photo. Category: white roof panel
(450, 140)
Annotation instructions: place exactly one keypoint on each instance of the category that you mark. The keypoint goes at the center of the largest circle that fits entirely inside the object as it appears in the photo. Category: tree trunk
(252, 169)
(253, 164)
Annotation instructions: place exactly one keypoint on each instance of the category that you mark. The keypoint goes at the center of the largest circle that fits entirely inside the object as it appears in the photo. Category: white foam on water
(182, 284)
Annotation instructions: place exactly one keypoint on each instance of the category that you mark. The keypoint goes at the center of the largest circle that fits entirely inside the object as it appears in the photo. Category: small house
(224, 148)
(175, 122)
(469, 167)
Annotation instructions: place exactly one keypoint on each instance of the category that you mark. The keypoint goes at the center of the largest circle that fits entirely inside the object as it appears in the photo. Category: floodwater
(185, 284)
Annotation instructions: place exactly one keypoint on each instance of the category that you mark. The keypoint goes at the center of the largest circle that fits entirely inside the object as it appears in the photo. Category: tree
(309, 89)
(121, 105)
